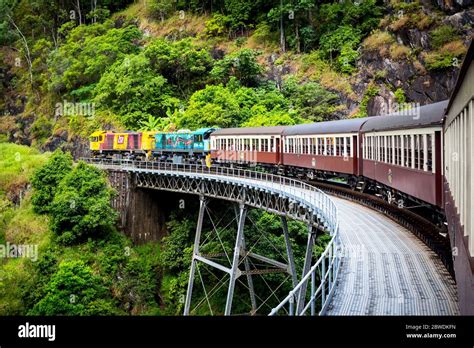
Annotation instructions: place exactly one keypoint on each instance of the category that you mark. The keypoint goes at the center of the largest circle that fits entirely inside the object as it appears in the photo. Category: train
(396, 157)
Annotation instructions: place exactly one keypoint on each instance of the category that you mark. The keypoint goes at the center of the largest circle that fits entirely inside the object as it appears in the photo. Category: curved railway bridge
(371, 266)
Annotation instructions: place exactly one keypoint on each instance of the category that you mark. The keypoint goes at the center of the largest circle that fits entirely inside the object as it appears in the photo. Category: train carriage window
(338, 146)
(407, 150)
(383, 148)
(330, 146)
(396, 145)
(417, 149)
(380, 148)
(348, 147)
(429, 161)
(271, 149)
(421, 140)
(367, 139)
(369, 148)
(389, 149)
(376, 148)
(321, 146)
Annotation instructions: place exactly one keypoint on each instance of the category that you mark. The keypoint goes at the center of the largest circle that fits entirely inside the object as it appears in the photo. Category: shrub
(262, 33)
(81, 207)
(442, 35)
(399, 52)
(75, 290)
(400, 96)
(173, 256)
(46, 179)
(242, 65)
(370, 92)
(376, 40)
(447, 56)
(217, 26)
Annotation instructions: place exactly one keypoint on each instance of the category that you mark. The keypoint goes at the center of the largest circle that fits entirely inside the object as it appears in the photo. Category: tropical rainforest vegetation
(172, 64)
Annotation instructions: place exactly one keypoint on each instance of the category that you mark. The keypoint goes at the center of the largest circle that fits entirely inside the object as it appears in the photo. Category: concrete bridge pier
(142, 214)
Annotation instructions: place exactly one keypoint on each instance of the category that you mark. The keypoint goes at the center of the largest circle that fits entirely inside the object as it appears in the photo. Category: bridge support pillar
(202, 209)
(235, 261)
(306, 268)
(245, 253)
(289, 252)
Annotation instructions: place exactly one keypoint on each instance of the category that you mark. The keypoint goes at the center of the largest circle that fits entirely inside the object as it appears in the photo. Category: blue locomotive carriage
(183, 146)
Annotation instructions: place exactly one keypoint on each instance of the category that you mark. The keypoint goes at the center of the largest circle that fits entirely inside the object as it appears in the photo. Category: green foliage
(217, 26)
(161, 8)
(140, 280)
(181, 62)
(75, 290)
(87, 53)
(370, 92)
(177, 245)
(442, 35)
(347, 59)
(242, 65)
(263, 33)
(311, 100)
(330, 45)
(133, 90)
(81, 206)
(213, 106)
(17, 164)
(400, 96)
(173, 290)
(46, 179)
(446, 57)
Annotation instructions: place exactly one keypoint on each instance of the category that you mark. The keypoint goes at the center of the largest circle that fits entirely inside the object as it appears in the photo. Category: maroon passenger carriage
(402, 151)
(249, 145)
(323, 148)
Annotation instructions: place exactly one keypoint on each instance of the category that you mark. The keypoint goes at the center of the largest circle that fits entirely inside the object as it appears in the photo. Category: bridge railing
(324, 272)
(315, 198)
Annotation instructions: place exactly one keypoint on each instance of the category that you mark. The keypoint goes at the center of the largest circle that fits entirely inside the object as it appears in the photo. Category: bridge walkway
(386, 270)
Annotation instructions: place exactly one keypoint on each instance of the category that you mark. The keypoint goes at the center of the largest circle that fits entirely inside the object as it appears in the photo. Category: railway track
(425, 230)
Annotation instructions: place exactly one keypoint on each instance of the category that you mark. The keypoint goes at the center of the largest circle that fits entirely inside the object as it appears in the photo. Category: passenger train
(397, 157)
(418, 159)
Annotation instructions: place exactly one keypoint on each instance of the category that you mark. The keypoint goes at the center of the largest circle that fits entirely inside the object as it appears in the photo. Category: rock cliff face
(410, 74)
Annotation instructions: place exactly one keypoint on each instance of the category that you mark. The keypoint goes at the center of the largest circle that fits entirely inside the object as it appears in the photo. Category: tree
(182, 63)
(75, 290)
(213, 106)
(46, 179)
(133, 90)
(161, 8)
(88, 52)
(81, 207)
(312, 101)
(242, 65)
